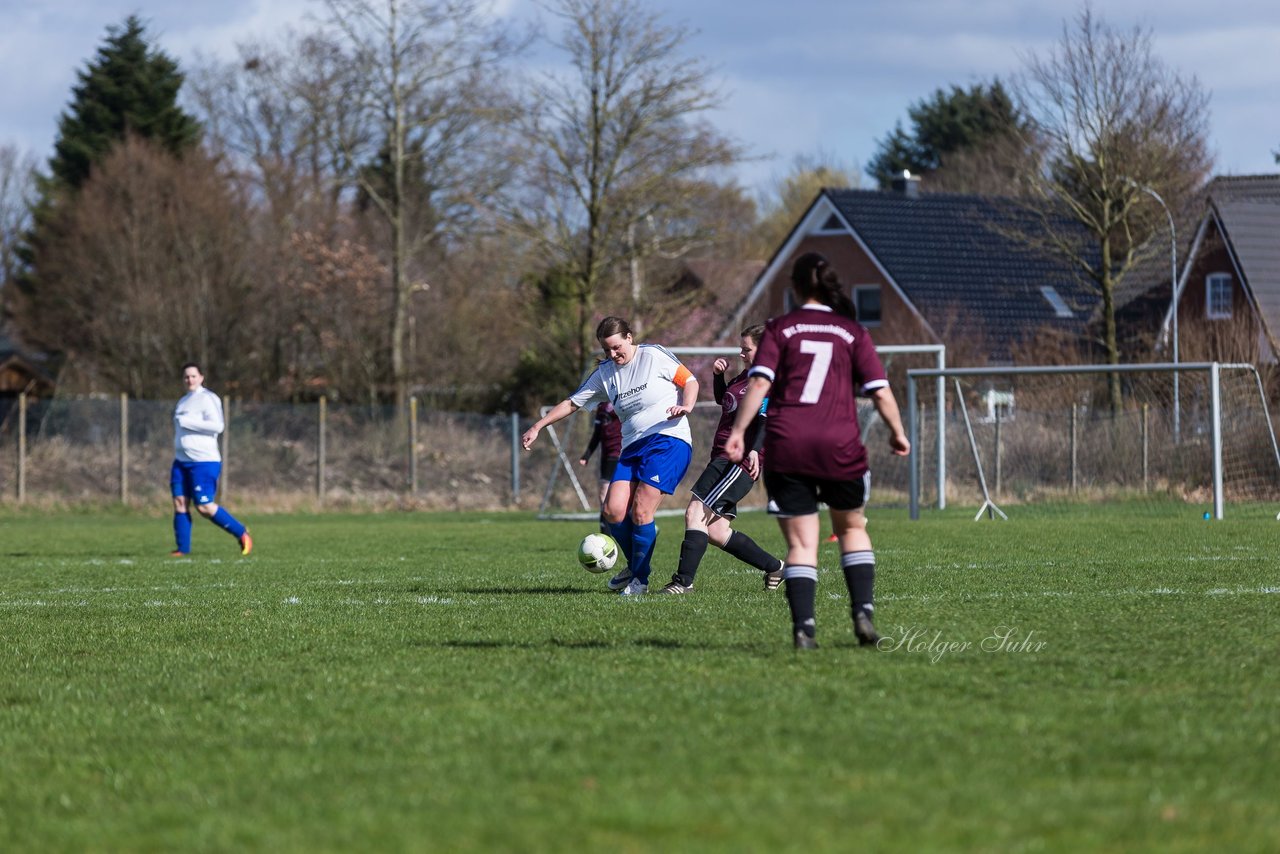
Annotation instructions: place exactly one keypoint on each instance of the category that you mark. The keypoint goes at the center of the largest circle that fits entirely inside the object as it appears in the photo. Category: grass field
(1063, 682)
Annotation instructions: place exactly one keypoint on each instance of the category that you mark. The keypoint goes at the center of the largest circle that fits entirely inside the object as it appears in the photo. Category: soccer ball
(597, 552)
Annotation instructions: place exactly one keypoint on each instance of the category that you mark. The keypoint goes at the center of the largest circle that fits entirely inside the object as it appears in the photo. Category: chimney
(907, 184)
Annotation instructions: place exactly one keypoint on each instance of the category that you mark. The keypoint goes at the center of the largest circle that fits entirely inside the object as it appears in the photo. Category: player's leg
(178, 487)
(617, 503)
(663, 461)
(857, 559)
(604, 492)
(793, 499)
(206, 487)
(698, 517)
(644, 536)
(722, 493)
(608, 465)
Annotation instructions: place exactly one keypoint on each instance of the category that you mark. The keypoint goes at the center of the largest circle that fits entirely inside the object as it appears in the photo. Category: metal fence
(106, 449)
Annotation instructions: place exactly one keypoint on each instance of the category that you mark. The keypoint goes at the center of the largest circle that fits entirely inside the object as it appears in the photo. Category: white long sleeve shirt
(641, 392)
(197, 422)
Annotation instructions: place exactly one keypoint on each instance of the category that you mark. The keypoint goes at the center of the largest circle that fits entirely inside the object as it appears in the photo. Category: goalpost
(897, 358)
(1051, 433)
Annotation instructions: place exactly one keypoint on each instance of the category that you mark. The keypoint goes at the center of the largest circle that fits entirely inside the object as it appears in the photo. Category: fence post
(1075, 410)
(413, 445)
(22, 447)
(515, 458)
(1215, 434)
(913, 436)
(224, 477)
(1146, 448)
(998, 452)
(124, 448)
(320, 449)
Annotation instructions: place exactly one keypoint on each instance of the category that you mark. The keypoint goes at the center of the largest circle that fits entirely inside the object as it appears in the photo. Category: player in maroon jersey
(606, 434)
(723, 483)
(812, 363)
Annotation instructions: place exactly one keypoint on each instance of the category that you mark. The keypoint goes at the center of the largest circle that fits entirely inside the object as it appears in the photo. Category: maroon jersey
(606, 431)
(818, 362)
(729, 401)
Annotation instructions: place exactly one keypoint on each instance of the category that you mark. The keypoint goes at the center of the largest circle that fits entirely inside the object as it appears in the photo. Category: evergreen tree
(130, 88)
(947, 123)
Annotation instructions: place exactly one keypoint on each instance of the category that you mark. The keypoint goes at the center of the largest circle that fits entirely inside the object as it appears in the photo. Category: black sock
(802, 588)
(692, 549)
(749, 552)
(605, 527)
(860, 577)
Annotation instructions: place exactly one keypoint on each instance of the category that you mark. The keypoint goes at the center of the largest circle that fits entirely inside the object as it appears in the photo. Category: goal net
(572, 492)
(1194, 436)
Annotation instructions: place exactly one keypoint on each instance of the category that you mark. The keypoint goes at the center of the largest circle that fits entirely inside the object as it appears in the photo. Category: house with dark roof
(20, 373)
(933, 268)
(1229, 283)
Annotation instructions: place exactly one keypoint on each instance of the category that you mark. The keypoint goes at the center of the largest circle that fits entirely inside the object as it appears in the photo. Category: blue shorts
(657, 460)
(197, 481)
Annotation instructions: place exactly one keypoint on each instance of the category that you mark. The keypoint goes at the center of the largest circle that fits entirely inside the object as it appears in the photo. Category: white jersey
(197, 421)
(641, 392)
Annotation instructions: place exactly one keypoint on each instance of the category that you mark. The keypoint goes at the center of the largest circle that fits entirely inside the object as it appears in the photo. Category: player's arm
(718, 384)
(563, 409)
(688, 393)
(206, 418)
(887, 405)
(757, 389)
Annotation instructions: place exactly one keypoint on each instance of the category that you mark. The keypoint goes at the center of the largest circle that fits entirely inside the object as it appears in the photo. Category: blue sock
(624, 532)
(228, 523)
(182, 532)
(643, 539)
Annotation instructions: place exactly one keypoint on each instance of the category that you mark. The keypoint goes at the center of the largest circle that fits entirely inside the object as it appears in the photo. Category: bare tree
(615, 151)
(284, 119)
(423, 77)
(282, 123)
(1113, 120)
(17, 195)
(142, 270)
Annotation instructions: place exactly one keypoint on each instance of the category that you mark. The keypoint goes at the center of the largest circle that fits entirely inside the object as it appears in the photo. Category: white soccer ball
(598, 552)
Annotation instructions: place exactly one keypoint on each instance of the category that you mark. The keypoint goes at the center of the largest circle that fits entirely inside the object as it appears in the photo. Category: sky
(798, 78)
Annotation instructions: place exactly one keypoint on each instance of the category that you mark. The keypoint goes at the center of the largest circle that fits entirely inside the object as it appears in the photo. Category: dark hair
(812, 277)
(195, 365)
(612, 326)
(755, 332)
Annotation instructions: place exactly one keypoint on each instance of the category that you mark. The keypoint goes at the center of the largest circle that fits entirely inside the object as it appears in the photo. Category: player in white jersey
(193, 479)
(652, 392)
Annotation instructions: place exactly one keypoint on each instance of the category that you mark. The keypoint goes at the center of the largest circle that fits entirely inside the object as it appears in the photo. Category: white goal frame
(563, 463)
(1214, 370)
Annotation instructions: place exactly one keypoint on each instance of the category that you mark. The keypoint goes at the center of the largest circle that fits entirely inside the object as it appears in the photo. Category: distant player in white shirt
(197, 423)
(652, 393)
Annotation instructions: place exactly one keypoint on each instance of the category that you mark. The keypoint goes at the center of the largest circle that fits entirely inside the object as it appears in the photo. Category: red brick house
(1229, 282)
(936, 268)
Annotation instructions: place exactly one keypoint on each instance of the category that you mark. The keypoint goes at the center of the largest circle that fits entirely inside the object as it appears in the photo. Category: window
(1060, 307)
(866, 299)
(1217, 296)
(833, 225)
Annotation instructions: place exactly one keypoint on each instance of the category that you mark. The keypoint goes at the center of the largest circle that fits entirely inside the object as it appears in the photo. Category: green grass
(454, 682)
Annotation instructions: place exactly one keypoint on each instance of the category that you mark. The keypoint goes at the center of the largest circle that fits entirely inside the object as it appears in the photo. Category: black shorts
(607, 466)
(722, 484)
(799, 494)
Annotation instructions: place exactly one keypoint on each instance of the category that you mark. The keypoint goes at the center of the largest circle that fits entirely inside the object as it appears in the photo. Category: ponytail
(812, 277)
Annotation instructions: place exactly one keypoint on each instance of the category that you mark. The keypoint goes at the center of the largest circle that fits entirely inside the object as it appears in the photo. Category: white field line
(52, 600)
